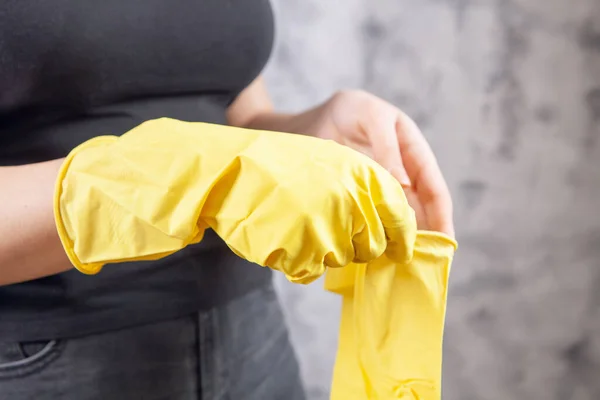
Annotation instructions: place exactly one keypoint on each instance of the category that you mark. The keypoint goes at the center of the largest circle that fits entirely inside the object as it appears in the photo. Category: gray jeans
(238, 351)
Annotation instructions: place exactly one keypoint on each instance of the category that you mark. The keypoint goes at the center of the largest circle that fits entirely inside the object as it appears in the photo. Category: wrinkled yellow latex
(290, 202)
(391, 331)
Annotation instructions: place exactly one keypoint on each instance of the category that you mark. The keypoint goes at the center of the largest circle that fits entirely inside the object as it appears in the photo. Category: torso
(74, 69)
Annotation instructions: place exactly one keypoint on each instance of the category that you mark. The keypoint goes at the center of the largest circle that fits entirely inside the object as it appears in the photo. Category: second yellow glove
(392, 325)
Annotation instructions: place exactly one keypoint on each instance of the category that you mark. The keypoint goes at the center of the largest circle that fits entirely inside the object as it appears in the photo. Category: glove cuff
(66, 240)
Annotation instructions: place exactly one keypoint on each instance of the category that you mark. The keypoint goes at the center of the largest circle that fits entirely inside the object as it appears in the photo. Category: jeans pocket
(24, 358)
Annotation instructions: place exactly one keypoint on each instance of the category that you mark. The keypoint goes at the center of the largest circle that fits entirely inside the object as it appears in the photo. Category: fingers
(397, 217)
(428, 181)
(401, 236)
(398, 145)
(413, 144)
(436, 201)
(379, 127)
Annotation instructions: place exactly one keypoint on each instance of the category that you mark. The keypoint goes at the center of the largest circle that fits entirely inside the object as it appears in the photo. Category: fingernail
(400, 175)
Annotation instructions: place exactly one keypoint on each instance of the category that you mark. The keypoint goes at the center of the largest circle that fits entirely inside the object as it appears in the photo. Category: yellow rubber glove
(391, 331)
(290, 202)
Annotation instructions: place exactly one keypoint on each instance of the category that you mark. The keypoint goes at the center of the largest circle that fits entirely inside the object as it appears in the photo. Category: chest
(76, 53)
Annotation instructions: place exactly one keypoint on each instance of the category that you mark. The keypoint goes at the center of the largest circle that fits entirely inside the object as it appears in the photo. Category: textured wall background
(508, 93)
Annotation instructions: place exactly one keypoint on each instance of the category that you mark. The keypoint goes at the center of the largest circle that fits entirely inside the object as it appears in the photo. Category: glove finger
(396, 215)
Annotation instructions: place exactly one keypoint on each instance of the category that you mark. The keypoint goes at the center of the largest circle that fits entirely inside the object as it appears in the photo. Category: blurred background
(508, 94)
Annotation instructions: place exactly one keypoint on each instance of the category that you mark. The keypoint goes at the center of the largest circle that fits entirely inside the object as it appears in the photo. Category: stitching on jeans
(205, 345)
(32, 364)
(197, 349)
(220, 354)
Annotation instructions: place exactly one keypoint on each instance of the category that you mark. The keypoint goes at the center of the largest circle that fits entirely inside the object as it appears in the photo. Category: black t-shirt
(71, 70)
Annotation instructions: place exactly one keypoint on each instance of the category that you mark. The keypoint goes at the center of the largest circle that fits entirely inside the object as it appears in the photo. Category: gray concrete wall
(508, 93)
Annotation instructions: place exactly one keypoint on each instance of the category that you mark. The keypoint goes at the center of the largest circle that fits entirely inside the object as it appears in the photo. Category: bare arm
(254, 109)
(30, 247)
(252, 104)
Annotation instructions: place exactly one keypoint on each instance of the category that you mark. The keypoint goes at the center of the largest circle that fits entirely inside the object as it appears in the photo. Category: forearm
(30, 247)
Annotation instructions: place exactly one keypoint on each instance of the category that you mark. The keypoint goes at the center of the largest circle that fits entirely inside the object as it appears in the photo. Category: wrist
(270, 121)
(303, 123)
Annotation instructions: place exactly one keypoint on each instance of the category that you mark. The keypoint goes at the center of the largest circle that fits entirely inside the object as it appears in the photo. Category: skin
(353, 118)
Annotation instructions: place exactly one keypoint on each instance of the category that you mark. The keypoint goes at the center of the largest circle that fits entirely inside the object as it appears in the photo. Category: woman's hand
(376, 128)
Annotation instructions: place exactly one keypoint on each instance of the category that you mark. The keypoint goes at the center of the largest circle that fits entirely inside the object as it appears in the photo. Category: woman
(201, 323)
